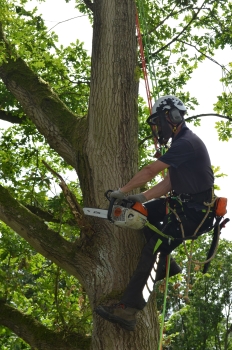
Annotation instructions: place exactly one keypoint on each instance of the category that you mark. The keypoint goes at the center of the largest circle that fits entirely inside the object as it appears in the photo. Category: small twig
(203, 54)
(66, 20)
(194, 16)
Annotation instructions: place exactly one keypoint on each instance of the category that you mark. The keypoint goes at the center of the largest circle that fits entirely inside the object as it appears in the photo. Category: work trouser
(169, 225)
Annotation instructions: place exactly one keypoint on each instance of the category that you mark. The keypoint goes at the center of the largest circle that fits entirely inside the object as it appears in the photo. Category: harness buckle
(184, 197)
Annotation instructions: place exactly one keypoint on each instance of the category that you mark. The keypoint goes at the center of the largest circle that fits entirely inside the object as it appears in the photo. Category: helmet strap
(174, 127)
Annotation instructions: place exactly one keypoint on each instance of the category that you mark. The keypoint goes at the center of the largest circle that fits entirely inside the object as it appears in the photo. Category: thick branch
(89, 4)
(8, 117)
(44, 240)
(36, 334)
(63, 130)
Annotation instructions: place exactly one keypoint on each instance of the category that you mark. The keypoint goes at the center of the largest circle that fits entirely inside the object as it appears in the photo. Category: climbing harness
(218, 206)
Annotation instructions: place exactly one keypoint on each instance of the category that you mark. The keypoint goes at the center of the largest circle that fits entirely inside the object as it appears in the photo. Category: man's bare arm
(144, 175)
(161, 189)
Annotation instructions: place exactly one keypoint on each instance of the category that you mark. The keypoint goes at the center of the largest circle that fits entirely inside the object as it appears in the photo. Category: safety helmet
(167, 106)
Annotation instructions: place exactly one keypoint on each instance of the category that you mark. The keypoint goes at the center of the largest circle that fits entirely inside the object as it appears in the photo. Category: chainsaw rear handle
(112, 201)
(107, 194)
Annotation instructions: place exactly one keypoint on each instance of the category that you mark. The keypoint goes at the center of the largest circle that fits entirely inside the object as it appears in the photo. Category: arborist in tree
(189, 184)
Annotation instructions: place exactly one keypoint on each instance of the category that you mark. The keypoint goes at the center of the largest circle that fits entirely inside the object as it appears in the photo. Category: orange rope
(140, 42)
(143, 60)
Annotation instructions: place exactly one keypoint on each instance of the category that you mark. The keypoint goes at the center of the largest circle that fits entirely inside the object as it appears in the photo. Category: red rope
(140, 42)
(143, 60)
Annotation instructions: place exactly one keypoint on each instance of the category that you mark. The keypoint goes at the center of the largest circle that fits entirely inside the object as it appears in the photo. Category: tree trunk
(112, 158)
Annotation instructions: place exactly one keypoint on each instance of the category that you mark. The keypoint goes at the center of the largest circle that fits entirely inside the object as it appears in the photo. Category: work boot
(119, 313)
(161, 268)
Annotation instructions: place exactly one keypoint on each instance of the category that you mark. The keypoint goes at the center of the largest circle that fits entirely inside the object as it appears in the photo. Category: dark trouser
(169, 225)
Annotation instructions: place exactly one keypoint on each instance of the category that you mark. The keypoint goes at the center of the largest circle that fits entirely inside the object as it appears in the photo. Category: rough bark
(43, 107)
(112, 123)
(103, 150)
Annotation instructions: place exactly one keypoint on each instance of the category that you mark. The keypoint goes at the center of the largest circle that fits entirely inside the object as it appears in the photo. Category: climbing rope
(146, 62)
(147, 44)
(143, 61)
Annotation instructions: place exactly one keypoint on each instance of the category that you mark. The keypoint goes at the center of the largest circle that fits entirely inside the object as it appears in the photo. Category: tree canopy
(80, 116)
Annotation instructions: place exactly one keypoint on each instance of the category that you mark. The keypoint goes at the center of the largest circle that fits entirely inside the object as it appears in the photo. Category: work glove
(118, 194)
(137, 198)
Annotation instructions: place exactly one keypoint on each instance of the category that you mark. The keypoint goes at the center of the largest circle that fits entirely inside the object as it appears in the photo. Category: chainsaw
(123, 213)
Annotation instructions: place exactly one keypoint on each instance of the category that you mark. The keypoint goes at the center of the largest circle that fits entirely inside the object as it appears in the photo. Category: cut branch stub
(74, 206)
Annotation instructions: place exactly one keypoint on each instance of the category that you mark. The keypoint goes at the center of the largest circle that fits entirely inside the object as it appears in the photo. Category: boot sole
(129, 326)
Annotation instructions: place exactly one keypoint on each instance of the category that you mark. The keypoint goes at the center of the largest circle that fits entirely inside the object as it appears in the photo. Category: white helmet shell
(168, 102)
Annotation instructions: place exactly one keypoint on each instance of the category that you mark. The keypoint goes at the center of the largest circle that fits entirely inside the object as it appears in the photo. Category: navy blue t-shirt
(190, 167)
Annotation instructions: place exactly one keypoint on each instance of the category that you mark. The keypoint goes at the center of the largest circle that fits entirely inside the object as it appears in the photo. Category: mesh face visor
(160, 127)
(154, 122)
(153, 119)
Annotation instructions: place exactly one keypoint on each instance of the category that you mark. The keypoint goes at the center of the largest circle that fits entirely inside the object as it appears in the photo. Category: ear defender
(175, 116)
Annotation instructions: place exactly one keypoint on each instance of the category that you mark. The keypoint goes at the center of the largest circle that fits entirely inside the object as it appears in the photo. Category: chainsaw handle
(112, 201)
(109, 216)
(107, 194)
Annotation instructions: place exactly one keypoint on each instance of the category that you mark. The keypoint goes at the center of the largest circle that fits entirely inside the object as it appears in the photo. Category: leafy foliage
(205, 321)
(38, 287)
(175, 46)
(179, 35)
